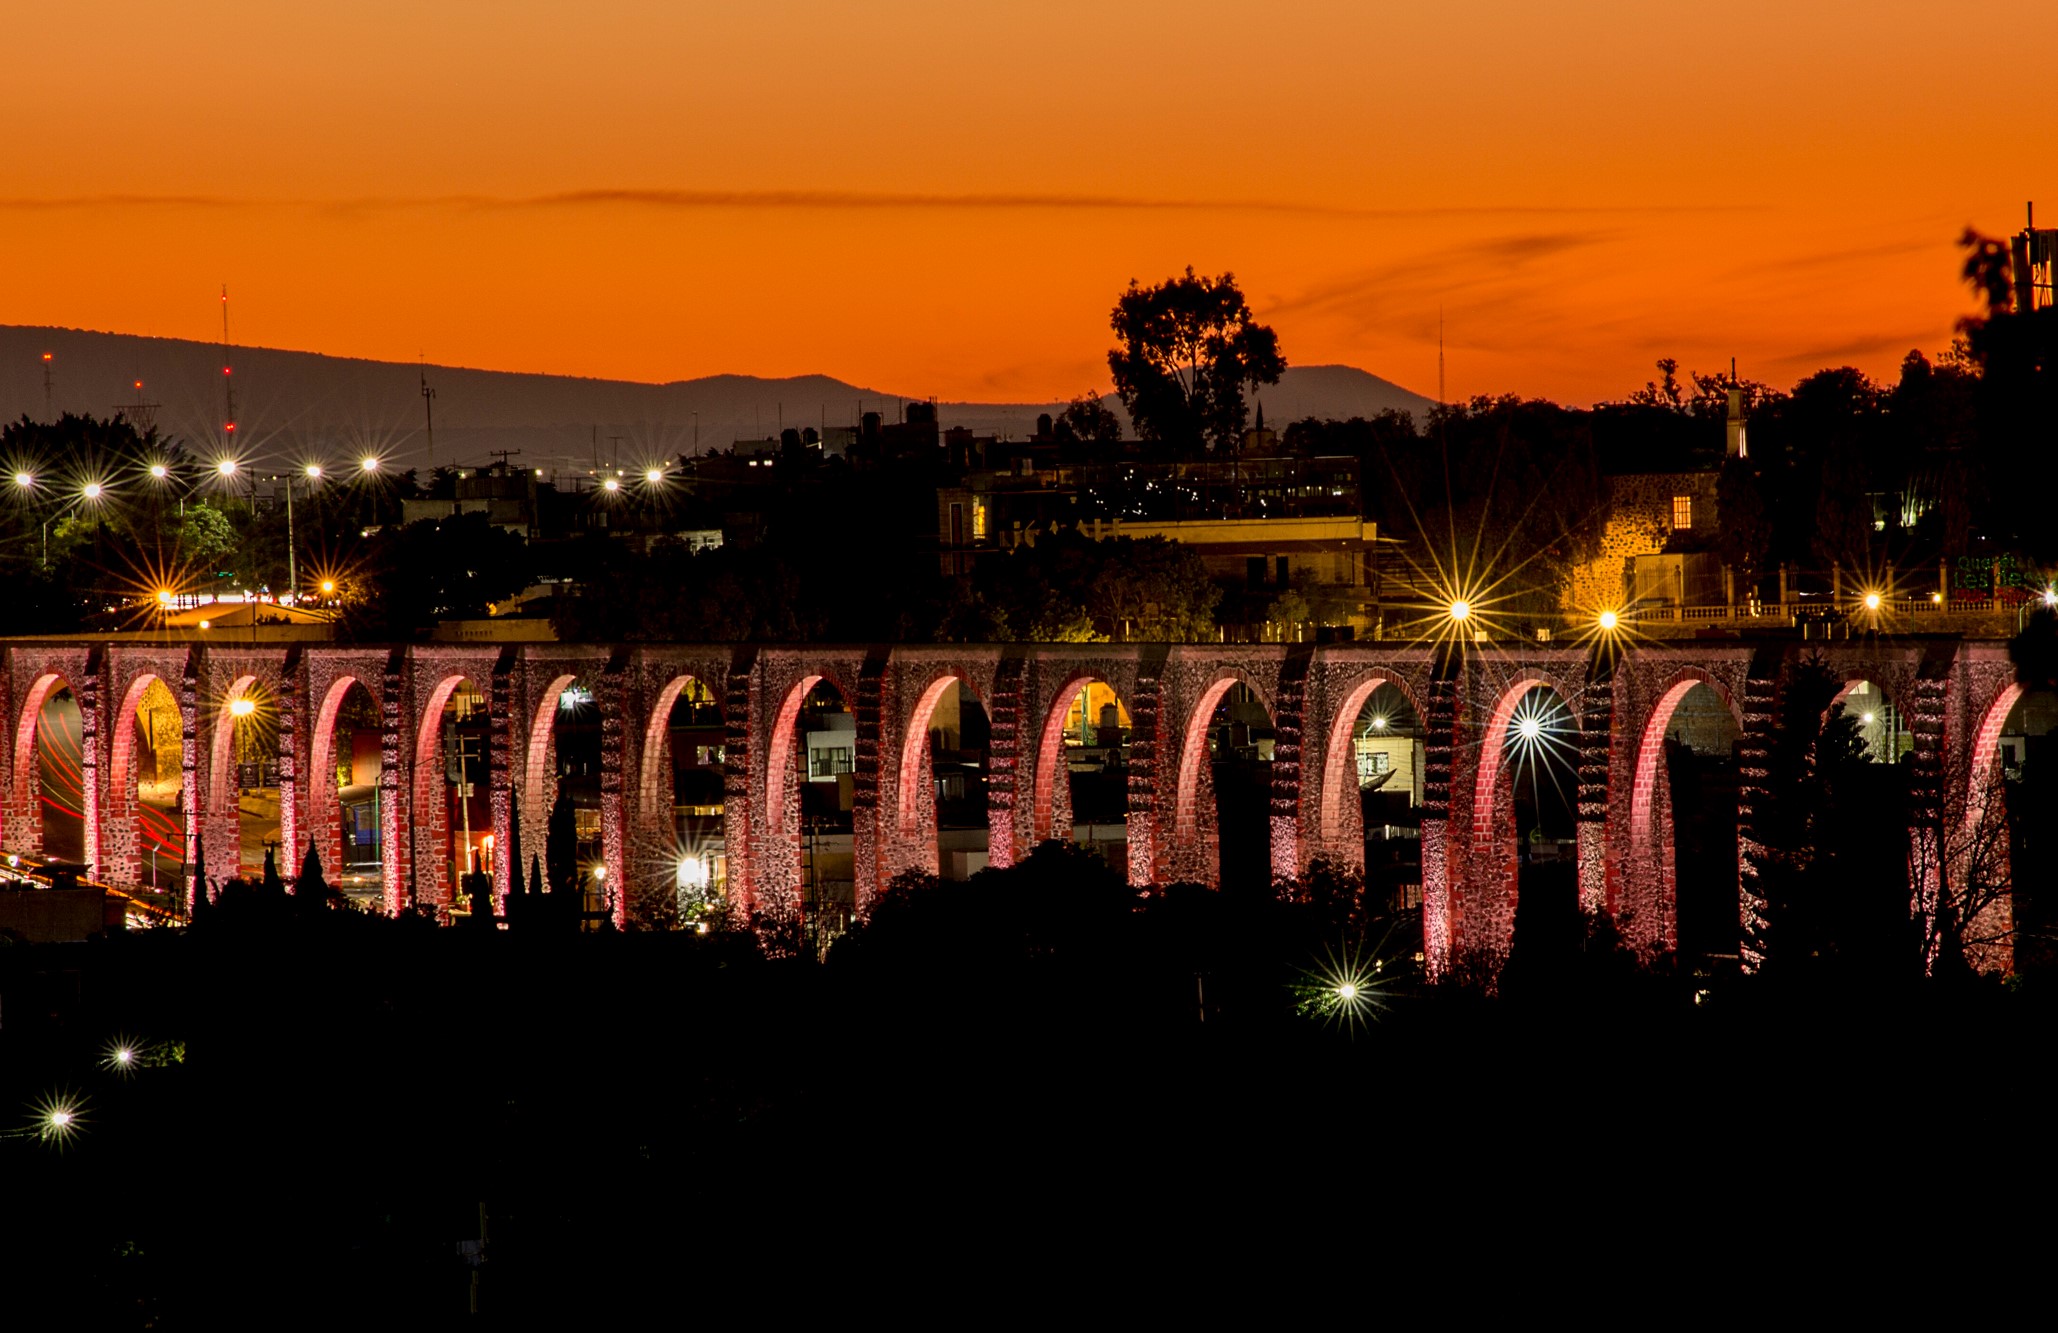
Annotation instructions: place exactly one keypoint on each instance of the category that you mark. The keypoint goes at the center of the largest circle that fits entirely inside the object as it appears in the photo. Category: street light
(655, 476)
(1608, 620)
(1872, 600)
(1461, 611)
(25, 480)
(368, 464)
(611, 485)
(242, 706)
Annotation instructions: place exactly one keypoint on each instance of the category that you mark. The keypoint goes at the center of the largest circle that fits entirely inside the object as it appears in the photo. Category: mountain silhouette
(338, 407)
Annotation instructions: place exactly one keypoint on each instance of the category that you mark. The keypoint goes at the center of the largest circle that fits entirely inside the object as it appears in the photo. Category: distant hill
(340, 404)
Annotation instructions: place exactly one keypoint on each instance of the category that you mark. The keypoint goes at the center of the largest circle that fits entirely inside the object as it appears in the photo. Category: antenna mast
(228, 385)
(429, 412)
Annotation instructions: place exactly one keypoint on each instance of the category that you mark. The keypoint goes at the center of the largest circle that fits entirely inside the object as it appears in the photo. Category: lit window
(1682, 511)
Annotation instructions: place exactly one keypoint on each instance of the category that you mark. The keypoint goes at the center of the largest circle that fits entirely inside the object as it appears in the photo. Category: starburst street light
(1608, 621)
(242, 707)
(611, 485)
(1460, 611)
(1872, 601)
(25, 480)
(92, 490)
(159, 471)
(225, 468)
(655, 476)
(368, 464)
(313, 471)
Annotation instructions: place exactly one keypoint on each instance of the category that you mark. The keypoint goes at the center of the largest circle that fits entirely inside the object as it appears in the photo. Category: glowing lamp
(654, 476)
(1379, 724)
(314, 471)
(124, 1056)
(1461, 611)
(164, 596)
(1866, 719)
(227, 467)
(611, 484)
(1529, 728)
(159, 471)
(207, 624)
(1872, 601)
(368, 464)
(1347, 992)
(92, 490)
(328, 586)
(1608, 620)
(242, 707)
(2051, 597)
(599, 874)
(24, 479)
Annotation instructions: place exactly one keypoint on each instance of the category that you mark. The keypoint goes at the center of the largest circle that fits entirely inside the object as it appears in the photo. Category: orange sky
(945, 199)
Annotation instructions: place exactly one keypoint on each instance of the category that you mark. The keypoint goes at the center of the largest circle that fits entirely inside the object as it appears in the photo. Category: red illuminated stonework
(1954, 696)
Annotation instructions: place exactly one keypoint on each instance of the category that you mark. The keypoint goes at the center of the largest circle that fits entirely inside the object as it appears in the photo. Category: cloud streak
(836, 201)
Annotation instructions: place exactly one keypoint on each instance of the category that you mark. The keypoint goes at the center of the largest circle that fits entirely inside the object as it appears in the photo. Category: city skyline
(949, 203)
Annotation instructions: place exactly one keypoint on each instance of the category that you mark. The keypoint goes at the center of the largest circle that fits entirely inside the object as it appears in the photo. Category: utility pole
(49, 392)
(429, 416)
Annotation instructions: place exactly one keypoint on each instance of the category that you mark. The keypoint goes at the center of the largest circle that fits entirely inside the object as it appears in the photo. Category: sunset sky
(945, 198)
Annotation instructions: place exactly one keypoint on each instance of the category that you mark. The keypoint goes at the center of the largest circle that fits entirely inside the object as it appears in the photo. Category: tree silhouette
(1189, 351)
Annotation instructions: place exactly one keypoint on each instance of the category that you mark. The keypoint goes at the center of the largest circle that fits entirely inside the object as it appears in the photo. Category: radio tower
(141, 414)
(228, 386)
(429, 412)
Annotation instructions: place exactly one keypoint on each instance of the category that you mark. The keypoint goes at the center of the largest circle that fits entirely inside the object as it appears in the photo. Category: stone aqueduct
(1954, 696)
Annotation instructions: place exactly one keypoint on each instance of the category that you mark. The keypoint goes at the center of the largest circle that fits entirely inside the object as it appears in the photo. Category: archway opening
(453, 809)
(60, 776)
(157, 767)
(1538, 747)
(956, 740)
(1082, 779)
(565, 788)
(1241, 741)
(825, 771)
(696, 739)
(1385, 767)
(250, 718)
(2022, 851)
(1881, 728)
(1699, 740)
(1864, 760)
(349, 763)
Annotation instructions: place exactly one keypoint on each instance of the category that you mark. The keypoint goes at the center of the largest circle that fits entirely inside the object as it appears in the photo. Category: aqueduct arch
(1954, 695)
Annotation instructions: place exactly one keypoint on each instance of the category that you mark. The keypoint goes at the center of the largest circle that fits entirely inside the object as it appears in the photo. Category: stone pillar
(614, 703)
(396, 785)
(1784, 596)
(1596, 766)
(1439, 864)
(1289, 763)
(91, 692)
(1148, 820)
(1006, 769)
(1760, 710)
(868, 840)
(739, 796)
(506, 746)
(1926, 713)
(296, 726)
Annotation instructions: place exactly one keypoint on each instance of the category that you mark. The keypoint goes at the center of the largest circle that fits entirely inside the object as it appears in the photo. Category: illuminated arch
(655, 788)
(26, 784)
(914, 751)
(1651, 745)
(1339, 768)
(779, 779)
(1986, 754)
(324, 811)
(429, 789)
(1044, 796)
(1194, 743)
(222, 753)
(121, 763)
(1494, 737)
(539, 785)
